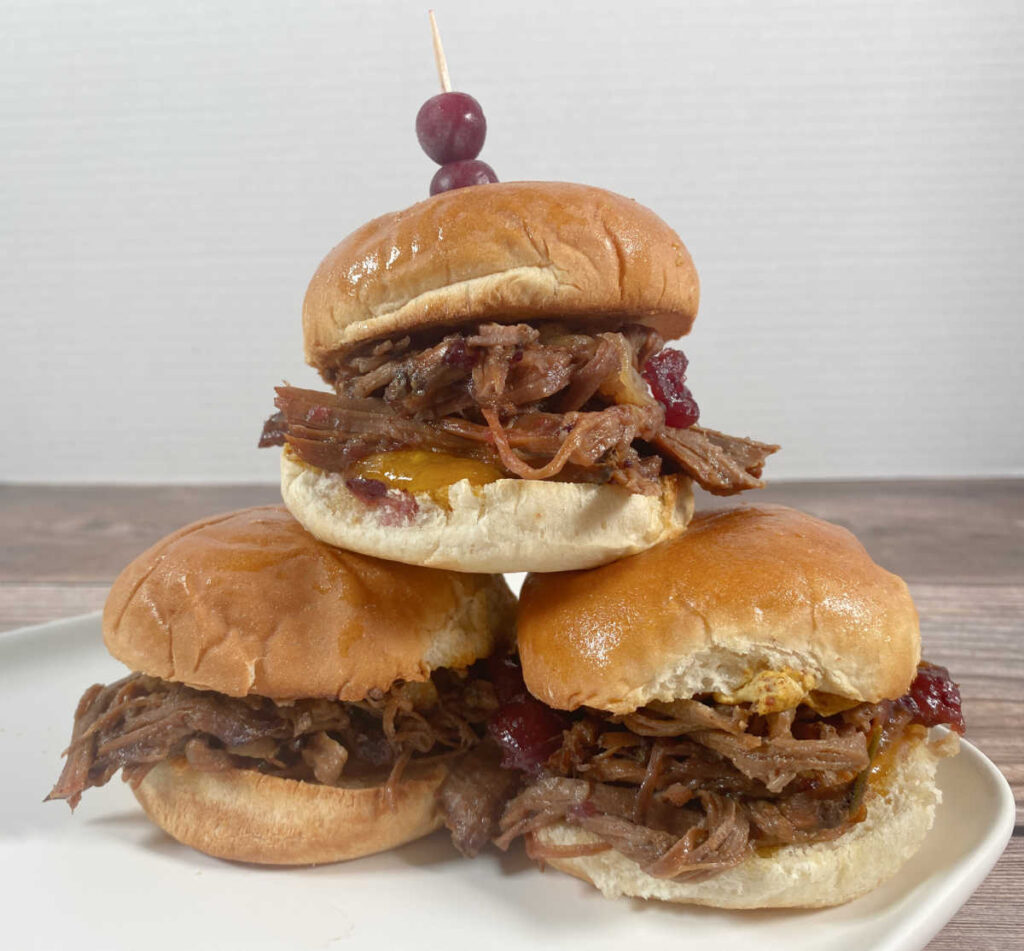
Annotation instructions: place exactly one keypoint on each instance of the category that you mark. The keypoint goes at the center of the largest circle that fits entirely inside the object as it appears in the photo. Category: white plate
(107, 879)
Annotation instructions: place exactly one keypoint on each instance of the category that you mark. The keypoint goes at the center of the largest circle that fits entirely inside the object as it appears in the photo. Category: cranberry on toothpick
(451, 129)
(461, 174)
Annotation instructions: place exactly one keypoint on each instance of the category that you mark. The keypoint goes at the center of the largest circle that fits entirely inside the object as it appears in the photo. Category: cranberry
(665, 373)
(451, 127)
(934, 699)
(527, 732)
(461, 175)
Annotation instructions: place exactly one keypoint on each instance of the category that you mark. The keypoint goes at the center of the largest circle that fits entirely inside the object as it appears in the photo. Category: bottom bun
(507, 525)
(899, 816)
(247, 816)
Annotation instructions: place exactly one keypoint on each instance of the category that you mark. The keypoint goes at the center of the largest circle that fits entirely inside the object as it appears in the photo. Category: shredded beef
(474, 795)
(724, 465)
(546, 402)
(139, 721)
(689, 789)
(776, 761)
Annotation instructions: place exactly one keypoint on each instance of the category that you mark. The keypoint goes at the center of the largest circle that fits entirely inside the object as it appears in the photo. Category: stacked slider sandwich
(743, 718)
(501, 396)
(288, 702)
(729, 714)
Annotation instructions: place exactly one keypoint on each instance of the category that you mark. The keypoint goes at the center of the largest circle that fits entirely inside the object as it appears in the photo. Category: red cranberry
(934, 699)
(527, 732)
(451, 127)
(461, 175)
(665, 373)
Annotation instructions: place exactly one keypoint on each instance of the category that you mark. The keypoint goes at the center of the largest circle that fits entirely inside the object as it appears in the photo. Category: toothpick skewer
(442, 63)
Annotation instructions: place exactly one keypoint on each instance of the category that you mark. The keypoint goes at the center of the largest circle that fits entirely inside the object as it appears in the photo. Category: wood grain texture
(959, 544)
(89, 533)
(24, 604)
(993, 918)
(942, 531)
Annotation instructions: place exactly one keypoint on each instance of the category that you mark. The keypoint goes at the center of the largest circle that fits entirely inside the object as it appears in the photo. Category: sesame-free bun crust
(741, 592)
(899, 816)
(507, 525)
(249, 602)
(247, 816)
(506, 252)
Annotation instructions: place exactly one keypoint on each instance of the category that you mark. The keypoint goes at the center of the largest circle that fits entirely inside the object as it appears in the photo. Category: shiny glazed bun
(247, 816)
(507, 525)
(249, 602)
(900, 812)
(500, 252)
(758, 590)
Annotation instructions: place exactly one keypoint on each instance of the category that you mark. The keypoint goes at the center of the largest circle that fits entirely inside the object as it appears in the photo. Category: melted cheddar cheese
(422, 471)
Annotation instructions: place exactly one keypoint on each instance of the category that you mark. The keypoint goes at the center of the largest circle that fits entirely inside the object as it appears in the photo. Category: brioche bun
(900, 811)
(502, 252)
(250, 603)
(507, 525)
(742, 592)
(247, 816)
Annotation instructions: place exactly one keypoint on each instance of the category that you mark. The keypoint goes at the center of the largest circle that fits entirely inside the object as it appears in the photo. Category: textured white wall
(846, 174)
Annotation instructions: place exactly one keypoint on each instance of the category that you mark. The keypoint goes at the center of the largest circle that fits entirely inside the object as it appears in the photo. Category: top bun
(249, 603)
(742, 592)
(504, 252)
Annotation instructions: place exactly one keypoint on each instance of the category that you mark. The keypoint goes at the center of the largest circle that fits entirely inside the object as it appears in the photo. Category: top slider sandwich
(501, 397)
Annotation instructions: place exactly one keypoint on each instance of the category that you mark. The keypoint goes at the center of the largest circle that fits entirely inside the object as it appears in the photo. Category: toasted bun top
(248, 602)
(741, 593)
(504, 252)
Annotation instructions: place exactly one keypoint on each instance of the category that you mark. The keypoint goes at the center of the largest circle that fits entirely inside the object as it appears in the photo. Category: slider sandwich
(745, 718)
(501, 398)
(289, 702)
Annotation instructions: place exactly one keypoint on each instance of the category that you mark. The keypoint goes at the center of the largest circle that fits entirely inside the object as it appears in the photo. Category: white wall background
(847, 176)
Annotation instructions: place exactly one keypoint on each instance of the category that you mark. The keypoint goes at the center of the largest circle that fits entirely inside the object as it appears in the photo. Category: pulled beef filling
(689, 789)
(546, 402)
(137, 722)
(474, 795)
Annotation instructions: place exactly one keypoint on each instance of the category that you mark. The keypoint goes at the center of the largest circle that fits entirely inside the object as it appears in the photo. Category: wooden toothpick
(442, 63)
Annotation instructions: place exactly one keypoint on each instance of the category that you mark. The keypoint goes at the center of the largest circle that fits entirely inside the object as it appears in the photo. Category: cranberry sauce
(527, 731)
(665, 373)
(934, 699)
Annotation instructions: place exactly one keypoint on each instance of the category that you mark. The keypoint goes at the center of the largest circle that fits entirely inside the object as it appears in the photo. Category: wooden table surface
(960, 545)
